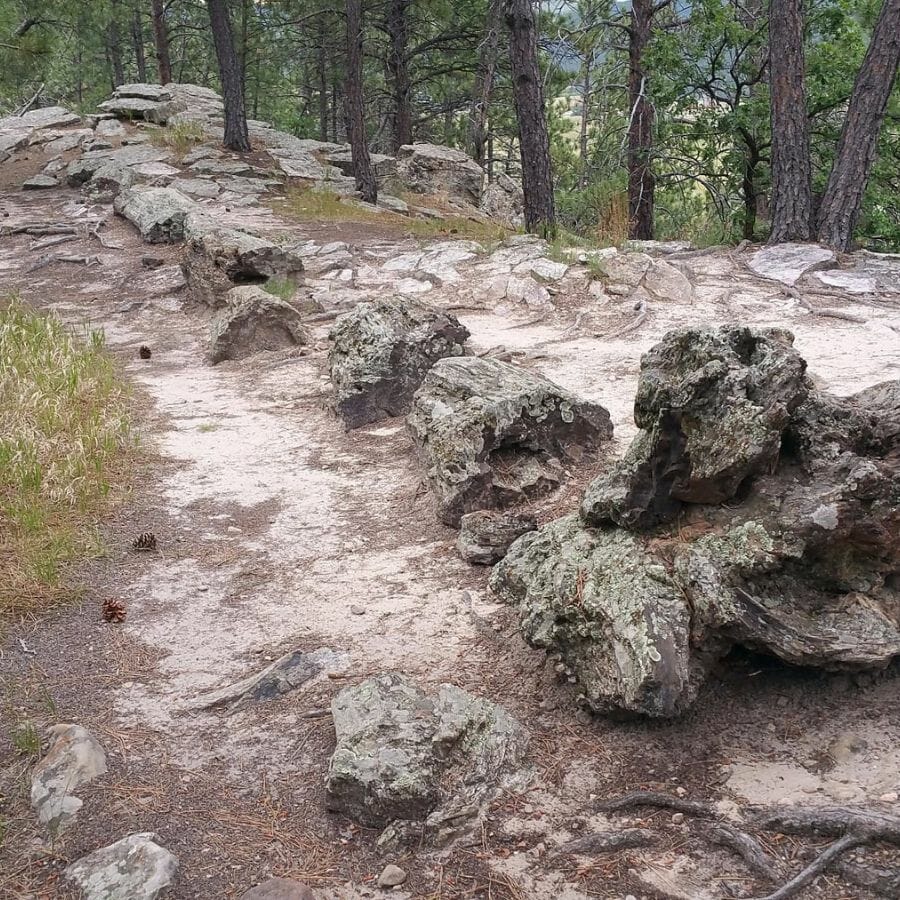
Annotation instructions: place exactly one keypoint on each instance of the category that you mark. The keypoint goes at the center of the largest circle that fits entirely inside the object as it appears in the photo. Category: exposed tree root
(109, 245)
(746, 847)
(661, 801)
(50, 258)
(885, 882)
(52, 241)
(642, 309)
(607, 842)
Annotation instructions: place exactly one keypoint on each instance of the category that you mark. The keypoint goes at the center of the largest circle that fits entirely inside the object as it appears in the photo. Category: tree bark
(484, 82)
(857, 147)
(356, 108)
(641, 181)
(114, 44)
(534, 141)
(236, 136)
(137, 38)
(397, 27)
(791, 168)
(322, 67)
(585, 118)
(161, 37)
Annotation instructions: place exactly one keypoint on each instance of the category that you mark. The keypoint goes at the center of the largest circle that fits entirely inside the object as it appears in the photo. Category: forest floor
(276, 527)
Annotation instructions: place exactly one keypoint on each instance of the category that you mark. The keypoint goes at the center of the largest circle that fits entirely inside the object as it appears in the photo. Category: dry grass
(313, 205)
(179, 137)
(612, 227)
(64, 429)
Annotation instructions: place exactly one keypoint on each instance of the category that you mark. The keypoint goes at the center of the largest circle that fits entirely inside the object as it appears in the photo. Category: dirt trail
(278, 530)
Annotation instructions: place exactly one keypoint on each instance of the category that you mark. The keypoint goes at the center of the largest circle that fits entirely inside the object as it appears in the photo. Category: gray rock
(40, 182)
(712, 406)
(402, 756)
(67, 141)
(434, 169)
(134, 868)
(381, 353)
(217, 259)
(391, 876)
(44, 117)
(504, 201)
(158, 213)
(11, 141)
(158, 112)
(74, 758)
(110, 128)
(491, 434)
(279, 889)
(110, 179)
(609, 608)
(788, 263)
(484, 536)
(252, 322)
(196, 187)
(286, 674)
(146, 91)
(81, 170)
(343, 159)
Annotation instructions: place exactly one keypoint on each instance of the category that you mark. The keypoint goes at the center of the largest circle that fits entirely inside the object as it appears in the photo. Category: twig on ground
(50, 258)
(38, 229)
(52, 241)
(323, 316)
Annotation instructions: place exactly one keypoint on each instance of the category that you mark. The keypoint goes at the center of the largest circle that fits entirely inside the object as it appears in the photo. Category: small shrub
(26, 740)
(179, 137)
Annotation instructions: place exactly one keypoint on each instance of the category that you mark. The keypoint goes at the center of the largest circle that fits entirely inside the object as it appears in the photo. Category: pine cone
(145, 541)
(113, 610)
(145, 352)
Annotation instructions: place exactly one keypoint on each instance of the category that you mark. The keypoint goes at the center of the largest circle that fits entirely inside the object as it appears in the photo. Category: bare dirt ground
(276, 527)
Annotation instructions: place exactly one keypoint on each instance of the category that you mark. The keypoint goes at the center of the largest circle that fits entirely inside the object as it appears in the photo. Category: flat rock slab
(158, 213)
(404, 756)
(491, 434)
(45, 117)
(254, 321)
(290, 672)
(788, 263)
(40, 182)
(75, 758)
(849, 281)
(381, 353)
(134, 868)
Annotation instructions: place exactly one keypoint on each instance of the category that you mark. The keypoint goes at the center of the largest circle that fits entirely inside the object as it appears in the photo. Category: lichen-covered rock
(434, 169)
(404, 756)
(609, 608)
(504, 201)
(254, 321)
(217, 259)
(485, 536)
(158, 213)
(712, 406)
(75, 758)
(491, 434)
(383, 350)
(134, 868)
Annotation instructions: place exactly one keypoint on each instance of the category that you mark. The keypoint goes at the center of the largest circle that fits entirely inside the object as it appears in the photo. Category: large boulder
(134, 868)
(434, 169)
(383, 350)
(405, 757)
(158, 213)
(491, 434)
(800, 562)
(218, 259)
(504, 201)
(609, 608)
(164, 104)
(712, 407)
(254, 321)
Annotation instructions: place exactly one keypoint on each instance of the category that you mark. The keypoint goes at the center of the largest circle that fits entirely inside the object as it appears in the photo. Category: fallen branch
(50, 258)
(661, 801)
(52, 241)
(643, 310)
(828, 313)
(607, 842)
(36, 229)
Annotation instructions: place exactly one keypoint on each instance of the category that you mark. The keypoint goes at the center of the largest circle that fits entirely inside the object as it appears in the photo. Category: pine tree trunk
(791, 169)
(585, 118)
(484, 82)
(236, 136)
(534, 141)
(356, 109)
(114, 44)
(641, 181)
(137, 38)
(322, 66)
(397, 27)
(161, 37)
(857, 147)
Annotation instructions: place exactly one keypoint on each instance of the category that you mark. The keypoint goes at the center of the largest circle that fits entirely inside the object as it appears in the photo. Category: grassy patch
(179, 137)
(64, 429)
(308, 205)
(281, 286)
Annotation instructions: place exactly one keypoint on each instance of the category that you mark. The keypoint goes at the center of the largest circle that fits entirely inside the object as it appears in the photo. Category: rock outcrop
(134, 868)
(491, 435)
(158, 213)
(504, 201)
(786, 540)
(434, 169)
(75, 758)
(405, 757)
(165, 104)
(252, 322)
(381, 353)
(485, 536)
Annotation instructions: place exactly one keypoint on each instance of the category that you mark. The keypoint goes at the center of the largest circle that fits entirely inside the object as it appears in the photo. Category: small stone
(681, 792)
(152, 262)
(677, 818)
(357, 610)
(889, 797)
(391, 876)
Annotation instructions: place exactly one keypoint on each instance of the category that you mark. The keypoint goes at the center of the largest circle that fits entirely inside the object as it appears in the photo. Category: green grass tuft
(179, 137)
(64, 428)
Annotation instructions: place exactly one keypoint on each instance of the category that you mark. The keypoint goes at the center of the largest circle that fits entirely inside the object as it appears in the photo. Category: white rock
(391, 876)
(664, 282)
(851, 282)
(788, 263)
(134, 868)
